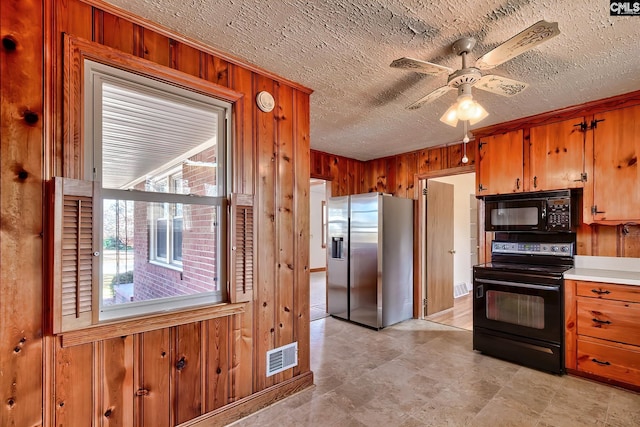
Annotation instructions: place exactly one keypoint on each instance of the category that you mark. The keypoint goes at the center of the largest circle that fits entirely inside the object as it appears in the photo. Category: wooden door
(440, 250)
(500, 164)
(616, 147)
(557, 158)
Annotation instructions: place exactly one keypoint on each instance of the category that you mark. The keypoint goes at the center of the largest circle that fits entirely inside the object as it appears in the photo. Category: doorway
(317, 248)
(454, 284)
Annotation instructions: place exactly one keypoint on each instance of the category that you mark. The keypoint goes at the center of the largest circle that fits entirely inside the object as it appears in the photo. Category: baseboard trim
(315, 270)
(250, 404)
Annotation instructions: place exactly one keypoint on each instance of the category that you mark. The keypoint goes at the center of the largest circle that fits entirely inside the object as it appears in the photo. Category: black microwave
(548, 211)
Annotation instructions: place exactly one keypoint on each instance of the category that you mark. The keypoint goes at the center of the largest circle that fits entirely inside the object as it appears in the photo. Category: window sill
(114, 329)
(174, 267)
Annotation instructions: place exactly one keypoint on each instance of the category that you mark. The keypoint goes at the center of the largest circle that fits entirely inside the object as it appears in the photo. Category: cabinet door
(556, 156)
(500, 164)
(616, 173)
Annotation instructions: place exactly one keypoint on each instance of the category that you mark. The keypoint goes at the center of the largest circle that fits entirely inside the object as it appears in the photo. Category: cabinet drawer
(610, 320)
(608, 291)
(601, 358)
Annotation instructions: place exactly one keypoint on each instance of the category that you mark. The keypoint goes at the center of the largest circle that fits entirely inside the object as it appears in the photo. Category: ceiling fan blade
(420, 66)
(536, 34)
(429, 97)
(500, 85)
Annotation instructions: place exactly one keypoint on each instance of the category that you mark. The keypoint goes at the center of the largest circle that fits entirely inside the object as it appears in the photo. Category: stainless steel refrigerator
(370, 259)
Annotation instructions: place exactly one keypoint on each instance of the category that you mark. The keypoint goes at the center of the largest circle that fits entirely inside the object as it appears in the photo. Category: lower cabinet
(603, 331)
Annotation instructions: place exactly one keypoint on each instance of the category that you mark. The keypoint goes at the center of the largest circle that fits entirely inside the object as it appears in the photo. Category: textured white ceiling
(342, 50)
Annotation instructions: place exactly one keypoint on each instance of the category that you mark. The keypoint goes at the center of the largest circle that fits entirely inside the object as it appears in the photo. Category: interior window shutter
(242, 248)
(74, 301)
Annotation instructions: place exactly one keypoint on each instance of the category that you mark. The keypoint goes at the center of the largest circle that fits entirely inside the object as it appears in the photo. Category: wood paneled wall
(163, 377)
(397, 175)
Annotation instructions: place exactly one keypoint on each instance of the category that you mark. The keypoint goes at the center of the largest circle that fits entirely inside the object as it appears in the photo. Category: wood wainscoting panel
(215, 334)
(186, 370)
(115, 378)
(74, 395)
(152, 378)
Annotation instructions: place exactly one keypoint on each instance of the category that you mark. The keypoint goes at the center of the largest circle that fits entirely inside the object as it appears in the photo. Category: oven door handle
(519, 285)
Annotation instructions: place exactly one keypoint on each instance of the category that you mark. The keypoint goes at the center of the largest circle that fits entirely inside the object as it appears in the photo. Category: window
(166, 224)
(159, 155)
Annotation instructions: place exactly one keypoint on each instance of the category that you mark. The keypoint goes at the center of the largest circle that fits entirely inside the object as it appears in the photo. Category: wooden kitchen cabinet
(602, 334)
(557, 156)
(615, 193)
(499, 169)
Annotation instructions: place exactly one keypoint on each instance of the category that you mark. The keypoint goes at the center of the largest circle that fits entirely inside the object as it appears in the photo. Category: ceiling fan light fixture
(477, 113)
(450, 117)
(465, 109)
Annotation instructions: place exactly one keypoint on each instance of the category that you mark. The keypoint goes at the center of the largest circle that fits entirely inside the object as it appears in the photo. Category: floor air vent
(282, 358)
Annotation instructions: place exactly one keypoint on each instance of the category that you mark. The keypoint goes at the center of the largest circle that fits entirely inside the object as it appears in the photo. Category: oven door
(522, 307)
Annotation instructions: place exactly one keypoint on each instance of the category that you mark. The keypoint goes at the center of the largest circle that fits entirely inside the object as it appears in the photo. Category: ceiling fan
(466, 77)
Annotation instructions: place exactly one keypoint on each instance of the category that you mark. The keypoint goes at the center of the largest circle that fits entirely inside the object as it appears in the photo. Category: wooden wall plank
(184, 58)
(630, 240)
(152, 367)
(73, 387)
(301, 231)
(215, 334)
(187, 368)
(244, 147)
(242, 355)
(402, 181)
(267, 153)
(21, 165)
(155, 47)
(216, 70)
(604, 241)
(379, 175)
(115, 32)
(116, 382)
(391, 172)
(411, 168)
(73, 17)
(286, 266)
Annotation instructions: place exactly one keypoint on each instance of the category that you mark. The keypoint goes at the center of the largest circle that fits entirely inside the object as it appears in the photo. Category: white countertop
(623, 271)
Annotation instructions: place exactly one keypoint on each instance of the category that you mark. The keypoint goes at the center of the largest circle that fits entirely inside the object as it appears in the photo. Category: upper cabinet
(557, 156)
(615, 193)
(499, 169)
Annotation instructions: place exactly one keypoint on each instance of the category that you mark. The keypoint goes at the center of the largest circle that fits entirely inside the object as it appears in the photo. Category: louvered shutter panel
(74, 298)
(242, 248)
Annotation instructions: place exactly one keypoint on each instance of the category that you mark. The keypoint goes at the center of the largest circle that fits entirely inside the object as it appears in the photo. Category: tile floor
(318, 295)
(420, 373)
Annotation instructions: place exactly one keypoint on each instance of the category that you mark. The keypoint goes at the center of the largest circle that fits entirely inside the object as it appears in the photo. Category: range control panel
(554, 249)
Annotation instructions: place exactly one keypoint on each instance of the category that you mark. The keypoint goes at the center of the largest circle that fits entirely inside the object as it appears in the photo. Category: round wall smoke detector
(265, 101)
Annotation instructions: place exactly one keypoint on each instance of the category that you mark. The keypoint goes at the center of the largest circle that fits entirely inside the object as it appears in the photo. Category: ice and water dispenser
(337, 247)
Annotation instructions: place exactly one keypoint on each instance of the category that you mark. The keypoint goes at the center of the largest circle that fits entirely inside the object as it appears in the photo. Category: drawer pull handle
(602, 322)
(600, 291)
(600, 362)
